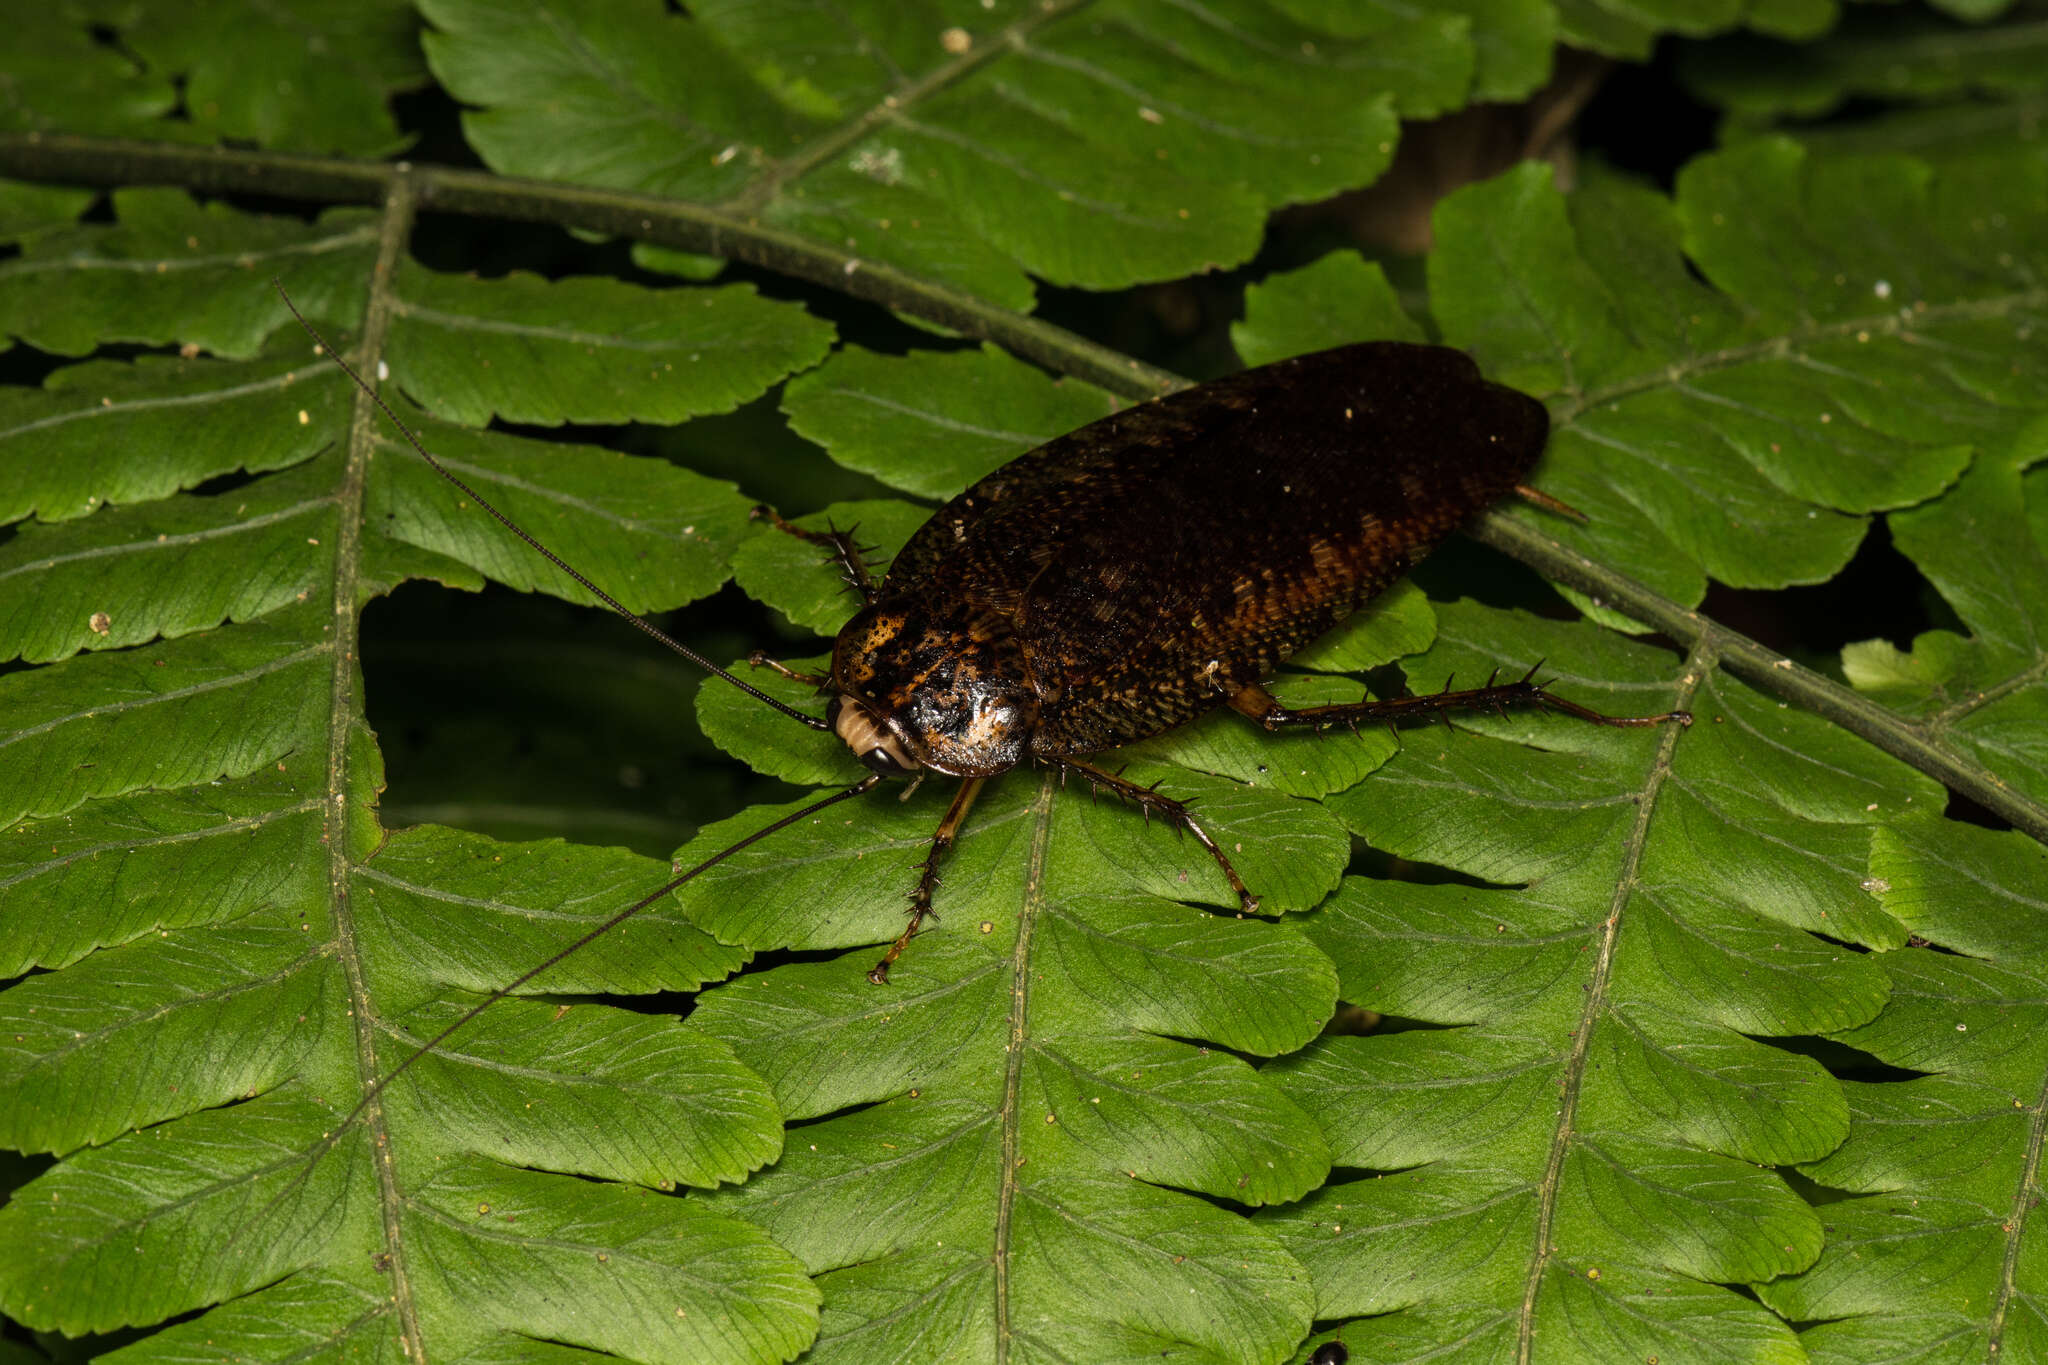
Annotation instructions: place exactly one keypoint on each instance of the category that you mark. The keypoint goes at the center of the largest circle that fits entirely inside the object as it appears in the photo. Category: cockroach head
(932, 685)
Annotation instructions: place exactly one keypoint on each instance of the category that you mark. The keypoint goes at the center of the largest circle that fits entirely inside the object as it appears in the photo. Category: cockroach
(1134, 575)
(1152, 566)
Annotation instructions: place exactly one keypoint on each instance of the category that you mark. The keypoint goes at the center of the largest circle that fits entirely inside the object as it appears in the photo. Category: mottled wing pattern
(978, 544)
(1155, 562)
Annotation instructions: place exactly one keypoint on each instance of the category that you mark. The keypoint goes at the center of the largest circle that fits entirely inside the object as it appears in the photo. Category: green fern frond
(1709, 1044)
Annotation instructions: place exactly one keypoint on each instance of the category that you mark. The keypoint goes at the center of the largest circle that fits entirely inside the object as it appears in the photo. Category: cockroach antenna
(641, 622)
(383, 1082)
(328, 1140)
(1049, 613)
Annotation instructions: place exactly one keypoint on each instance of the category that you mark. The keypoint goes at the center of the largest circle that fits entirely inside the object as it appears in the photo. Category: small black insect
(1138, 573)
(1330, 1353)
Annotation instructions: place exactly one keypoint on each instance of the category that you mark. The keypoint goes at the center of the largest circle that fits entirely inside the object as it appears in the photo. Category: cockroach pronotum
(1025, 622)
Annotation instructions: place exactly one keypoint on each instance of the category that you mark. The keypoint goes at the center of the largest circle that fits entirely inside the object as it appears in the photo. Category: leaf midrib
(2024, 1197)
(1033, 902)
(1786, 343)
(216, 684)
(1696, 669)
(343, 712)
(129, 407)
(181, 540)
(244, 258)
(86, 853)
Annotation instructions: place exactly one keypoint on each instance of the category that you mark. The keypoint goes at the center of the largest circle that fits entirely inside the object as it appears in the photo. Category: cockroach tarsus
(1026, 621)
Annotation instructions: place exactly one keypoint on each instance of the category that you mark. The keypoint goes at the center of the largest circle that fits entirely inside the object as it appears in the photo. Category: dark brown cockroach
(1136, 574)
(1142, 571)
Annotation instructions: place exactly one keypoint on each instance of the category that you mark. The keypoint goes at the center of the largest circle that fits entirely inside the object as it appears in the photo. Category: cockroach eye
(878, 761)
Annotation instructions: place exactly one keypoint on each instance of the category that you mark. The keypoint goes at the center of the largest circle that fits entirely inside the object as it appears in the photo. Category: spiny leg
(1177, 811)
(928, 876)
(1257, 703)
(853, 567)
(759, 659)
(852, 560)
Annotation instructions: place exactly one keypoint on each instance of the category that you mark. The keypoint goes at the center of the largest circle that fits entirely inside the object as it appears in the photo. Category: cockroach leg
(1148, 800)
(759, 659)
(851, 557)
(1259, 704)
(928, 876)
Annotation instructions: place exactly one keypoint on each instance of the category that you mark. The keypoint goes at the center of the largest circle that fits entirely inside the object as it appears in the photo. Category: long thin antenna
(382, 1083)
(377, 1087)
(516, 529)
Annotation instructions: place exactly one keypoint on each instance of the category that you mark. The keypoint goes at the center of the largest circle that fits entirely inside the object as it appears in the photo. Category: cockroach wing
(1153, 563)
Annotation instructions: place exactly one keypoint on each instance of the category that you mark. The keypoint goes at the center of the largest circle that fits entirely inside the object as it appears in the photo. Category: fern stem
(691, 227)
(346, 826)
(1766, 669)
(640, 217)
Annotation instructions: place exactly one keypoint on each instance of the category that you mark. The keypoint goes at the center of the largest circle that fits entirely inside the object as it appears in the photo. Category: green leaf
(1932, 1248)
(972, 142)
(63, 446)
(1931, 63)
(302, 77)
(163, 569)
(308, 77)
(1075, 1157)
(931, 425)
(659, 534)
(61, 77)
(768, 743)
(1977, 548)
(1604, 985)
(783, 571)
(1807, 365)
(1585, 1119)
(629, 354)
(1335, 300)
(71, 291)
(232, 949)
(1629, 28)
(1400, 621)
(29, 210)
